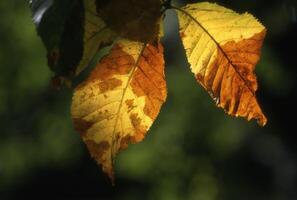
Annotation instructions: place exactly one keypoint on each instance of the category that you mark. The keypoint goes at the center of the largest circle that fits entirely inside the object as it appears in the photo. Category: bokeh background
(193, 151)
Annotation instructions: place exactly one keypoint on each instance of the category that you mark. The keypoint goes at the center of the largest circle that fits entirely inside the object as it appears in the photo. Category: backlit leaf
(60, 26)
(96, 34)
(223, 48)
(119, 101)
(72, 32)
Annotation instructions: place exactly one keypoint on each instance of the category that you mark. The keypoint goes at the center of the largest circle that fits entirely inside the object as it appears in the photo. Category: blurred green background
(193, 151)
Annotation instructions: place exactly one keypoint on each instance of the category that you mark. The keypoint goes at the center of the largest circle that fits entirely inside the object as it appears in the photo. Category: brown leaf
(133, 19)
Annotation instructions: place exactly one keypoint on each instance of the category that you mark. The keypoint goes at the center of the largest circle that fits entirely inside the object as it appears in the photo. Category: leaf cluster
(122, 96)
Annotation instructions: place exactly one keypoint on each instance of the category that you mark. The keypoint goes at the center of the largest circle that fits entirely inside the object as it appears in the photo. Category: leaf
(132, 19)
(59, 24)
(96, 34)
(223, 48)
(119, 101)
(72, 33)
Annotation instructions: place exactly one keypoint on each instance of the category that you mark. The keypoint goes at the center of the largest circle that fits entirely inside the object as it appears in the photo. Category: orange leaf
(223, 48)
(119, 101)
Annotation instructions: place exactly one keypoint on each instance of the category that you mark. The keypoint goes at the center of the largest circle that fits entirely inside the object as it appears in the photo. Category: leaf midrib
(218, 45)
(122, 100)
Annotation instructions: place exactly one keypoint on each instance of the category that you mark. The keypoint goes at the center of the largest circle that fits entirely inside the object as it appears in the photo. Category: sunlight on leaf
(223, 48)
(119, 101)
(96, 35)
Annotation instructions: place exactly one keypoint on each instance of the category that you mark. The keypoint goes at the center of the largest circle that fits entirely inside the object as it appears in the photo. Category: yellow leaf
(96, 34)
(223, 48)
(133, 19)
(119, 101)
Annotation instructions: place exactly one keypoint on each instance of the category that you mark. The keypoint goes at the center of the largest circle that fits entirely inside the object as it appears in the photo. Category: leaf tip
(262, 121)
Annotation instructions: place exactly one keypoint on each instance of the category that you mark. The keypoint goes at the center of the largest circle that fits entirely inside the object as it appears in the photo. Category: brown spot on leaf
(97, 152)
(109, 84)
(117, 62)
(129, 103)
(125, 141)
(82, 126)
(139, 129)
(231, 79)
(140, 132)
(149, 80)
(182, 34)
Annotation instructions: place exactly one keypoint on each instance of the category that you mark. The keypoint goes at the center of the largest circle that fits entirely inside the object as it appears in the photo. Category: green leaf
(60, 26)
